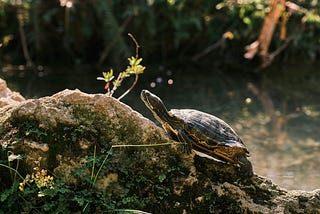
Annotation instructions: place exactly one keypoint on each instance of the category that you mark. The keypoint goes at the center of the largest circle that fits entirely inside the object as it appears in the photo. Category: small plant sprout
(40, 178)
(107, 77)
(134, 68)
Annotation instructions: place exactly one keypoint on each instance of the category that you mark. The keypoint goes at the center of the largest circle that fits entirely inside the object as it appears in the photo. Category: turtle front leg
(179, 135)
(185, 140)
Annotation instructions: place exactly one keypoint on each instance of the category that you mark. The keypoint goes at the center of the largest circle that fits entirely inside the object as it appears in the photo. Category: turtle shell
(208, 134)
(208, 127)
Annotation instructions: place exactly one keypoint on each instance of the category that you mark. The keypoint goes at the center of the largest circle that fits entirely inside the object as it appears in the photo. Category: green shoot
(94, 161)
(134, 68)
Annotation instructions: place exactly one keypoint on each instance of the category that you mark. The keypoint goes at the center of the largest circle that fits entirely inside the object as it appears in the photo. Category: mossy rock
(74, 134)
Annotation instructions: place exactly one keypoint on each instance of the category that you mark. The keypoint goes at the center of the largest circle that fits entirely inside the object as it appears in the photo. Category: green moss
(96, 126)
(62, 139)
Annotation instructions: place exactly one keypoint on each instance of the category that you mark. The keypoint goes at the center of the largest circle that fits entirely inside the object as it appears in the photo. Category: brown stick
(23, 35)
(277, 7)
(261, 46)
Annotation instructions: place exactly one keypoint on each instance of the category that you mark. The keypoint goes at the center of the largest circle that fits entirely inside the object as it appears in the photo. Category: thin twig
(137, 44)
(133, 84)
(114, 88)
(146, 145)
(270, 57)
(281, 48)
(137, 75)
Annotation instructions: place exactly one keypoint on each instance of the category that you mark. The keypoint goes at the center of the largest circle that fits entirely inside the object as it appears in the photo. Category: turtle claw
(186, 148)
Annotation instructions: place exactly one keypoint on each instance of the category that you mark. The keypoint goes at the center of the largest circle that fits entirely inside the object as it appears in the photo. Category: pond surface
(286, 149)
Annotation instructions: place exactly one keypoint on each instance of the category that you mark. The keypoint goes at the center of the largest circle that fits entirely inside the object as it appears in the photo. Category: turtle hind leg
(245, 166)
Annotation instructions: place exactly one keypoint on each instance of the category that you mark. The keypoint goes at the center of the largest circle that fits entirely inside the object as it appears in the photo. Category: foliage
(180, 28)
(57, 198)
(40, 178)
(301, 21)
(134, 68)
(42, 193)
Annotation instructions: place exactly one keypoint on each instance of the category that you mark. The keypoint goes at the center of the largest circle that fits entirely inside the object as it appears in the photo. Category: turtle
(207, 135)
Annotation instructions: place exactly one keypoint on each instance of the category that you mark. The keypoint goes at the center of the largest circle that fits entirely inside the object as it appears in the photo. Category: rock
(7, 97)
(142, 168)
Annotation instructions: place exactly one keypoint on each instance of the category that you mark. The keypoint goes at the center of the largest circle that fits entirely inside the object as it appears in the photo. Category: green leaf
(247, 21)
(130, 70)
(125, 74)
(108, 76)
(138, 61)
(162, 177)
(116, 83)
(140, 69)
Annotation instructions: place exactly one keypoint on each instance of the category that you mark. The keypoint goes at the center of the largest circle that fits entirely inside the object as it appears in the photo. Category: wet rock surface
(63, 130)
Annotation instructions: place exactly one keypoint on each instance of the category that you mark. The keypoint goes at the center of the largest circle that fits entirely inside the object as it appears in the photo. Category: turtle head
(150, 100)
(156, 105)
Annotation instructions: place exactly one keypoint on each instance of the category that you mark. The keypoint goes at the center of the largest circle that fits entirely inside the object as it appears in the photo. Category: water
(285, 150)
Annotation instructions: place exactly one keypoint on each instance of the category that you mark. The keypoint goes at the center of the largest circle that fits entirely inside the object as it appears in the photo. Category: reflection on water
(289, 156)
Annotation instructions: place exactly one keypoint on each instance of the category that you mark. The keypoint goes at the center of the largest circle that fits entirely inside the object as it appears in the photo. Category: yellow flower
(228, 35)
(21, 186)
